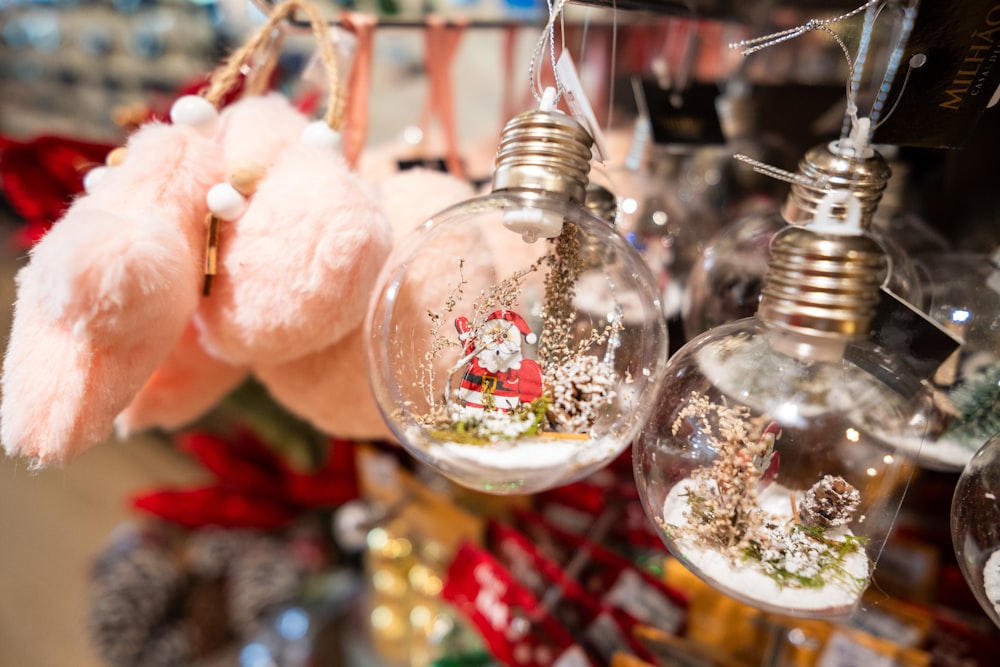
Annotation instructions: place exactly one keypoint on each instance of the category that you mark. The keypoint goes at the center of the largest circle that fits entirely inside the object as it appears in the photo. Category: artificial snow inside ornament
(765, 467)
(975, 526)
(532, 359)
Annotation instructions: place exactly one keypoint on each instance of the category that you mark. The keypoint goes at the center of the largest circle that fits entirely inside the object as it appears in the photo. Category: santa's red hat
(517, 321)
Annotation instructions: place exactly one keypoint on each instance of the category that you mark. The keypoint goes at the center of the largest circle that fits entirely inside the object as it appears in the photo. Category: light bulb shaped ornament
(765, 467)
(975, 526)
(724, 285)
(514, 340)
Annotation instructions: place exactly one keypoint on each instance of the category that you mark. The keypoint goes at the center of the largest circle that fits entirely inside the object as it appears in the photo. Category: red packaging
(517, 629)
(602, 630)
(581, 506)
(613, 579)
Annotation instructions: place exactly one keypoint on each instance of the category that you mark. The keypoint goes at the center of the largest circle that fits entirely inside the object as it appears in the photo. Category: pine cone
(262, 579)
(167, 646)
(829, 502)
(209, 552)
(133, 590)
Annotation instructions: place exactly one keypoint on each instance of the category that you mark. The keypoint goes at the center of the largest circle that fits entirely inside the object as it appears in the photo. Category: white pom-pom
(225, 202)
(194, 111)
(93, 178)
(531, 339)
(321, 135)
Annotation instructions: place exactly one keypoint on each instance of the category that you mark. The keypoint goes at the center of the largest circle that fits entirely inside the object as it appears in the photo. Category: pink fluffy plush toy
(329, 388)
(110, 319)
(107, 292)
(250, 136)
(115, 322)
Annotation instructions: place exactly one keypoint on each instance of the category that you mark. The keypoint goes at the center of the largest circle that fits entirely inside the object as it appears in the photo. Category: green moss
(538, 408)
(848, 545)
(471, 432)
(829, 560)
(700, 508)
(459, 435)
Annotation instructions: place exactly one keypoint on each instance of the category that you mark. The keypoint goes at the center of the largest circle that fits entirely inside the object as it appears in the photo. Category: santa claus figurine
(498, 376)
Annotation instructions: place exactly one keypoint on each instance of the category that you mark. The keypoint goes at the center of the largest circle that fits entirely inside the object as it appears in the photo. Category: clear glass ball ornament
(767, 468)
(963, 296)
(515, 339)
(724, 285)
(975, 526)
(667, 207)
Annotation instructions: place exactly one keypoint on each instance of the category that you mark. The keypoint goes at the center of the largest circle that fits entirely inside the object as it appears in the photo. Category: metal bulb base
(544, 152)
(822, 289)
(865, 177)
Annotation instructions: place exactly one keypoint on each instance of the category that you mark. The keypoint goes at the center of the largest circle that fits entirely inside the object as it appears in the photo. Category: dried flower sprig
(558, 312)
(599, 337)
(439, 342)
(505, 295)
(725, 511)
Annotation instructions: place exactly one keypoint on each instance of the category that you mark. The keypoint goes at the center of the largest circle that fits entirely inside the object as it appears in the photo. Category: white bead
(225, 202)
(93, 178)
(321, 135)
(194, 111)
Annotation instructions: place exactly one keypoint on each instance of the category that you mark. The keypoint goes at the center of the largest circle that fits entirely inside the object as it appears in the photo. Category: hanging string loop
(547, 39)
(856, 134)
(266, 40)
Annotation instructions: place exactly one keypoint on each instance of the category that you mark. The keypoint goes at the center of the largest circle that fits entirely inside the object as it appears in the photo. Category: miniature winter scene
(733, 522)
(963, 295)
(532, 374)
(514, 400)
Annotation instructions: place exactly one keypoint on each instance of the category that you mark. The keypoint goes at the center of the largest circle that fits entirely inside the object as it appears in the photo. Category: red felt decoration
(254, 488)
(40, 177)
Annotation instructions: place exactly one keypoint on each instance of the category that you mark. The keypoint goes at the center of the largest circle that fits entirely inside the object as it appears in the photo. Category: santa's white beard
(501, 358)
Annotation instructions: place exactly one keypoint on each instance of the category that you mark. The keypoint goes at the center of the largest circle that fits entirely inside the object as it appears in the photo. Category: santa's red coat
(508, 388)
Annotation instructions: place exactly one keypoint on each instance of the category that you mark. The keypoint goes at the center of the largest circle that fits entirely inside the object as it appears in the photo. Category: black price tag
(431, 163)
(686, 116)
(946, 96)
(906, 333)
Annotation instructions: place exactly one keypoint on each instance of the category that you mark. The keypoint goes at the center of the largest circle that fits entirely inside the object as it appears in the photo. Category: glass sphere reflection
(724, 285)
(963, 293)
(975, 526)
(769, 473)
(508, 366)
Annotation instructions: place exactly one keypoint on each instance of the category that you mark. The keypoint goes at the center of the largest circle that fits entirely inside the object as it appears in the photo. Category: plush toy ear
(106, 294)
(296, 268)
(186, 385)
(329, 388)
(189, 381)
